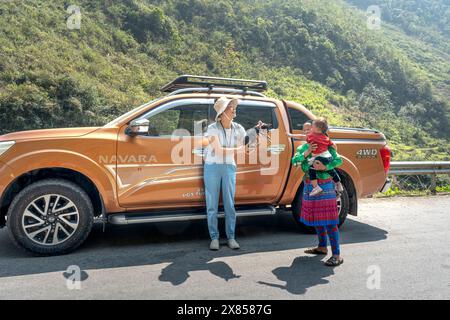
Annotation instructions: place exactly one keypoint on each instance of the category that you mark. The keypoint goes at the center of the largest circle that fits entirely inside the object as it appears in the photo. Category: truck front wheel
(50, 217)
(343, 208)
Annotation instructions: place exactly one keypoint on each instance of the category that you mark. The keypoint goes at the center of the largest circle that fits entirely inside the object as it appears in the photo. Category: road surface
(397, 248)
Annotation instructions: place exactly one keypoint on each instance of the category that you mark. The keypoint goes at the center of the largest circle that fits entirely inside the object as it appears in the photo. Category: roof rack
(217, 90)
(190, 81)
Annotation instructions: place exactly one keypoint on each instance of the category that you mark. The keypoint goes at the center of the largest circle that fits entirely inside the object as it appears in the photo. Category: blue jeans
(217, 177)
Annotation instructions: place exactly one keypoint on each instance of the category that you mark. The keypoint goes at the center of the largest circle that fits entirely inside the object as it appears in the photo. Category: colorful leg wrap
(333, 234)
(322, 234)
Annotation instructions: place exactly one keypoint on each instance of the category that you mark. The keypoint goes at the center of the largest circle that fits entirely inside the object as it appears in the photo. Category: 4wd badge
(366, 153)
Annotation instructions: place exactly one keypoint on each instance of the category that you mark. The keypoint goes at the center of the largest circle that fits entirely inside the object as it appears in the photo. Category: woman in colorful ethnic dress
(320, 211)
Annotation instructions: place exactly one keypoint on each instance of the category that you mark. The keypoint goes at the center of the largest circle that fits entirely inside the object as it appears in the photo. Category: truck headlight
(4, 146)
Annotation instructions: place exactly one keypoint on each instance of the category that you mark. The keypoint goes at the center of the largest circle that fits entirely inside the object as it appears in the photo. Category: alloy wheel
(50, 219)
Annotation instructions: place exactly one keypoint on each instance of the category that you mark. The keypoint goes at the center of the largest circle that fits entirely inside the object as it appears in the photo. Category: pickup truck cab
(145, 166)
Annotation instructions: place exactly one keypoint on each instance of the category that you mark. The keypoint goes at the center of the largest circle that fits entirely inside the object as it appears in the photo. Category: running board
(130, 218)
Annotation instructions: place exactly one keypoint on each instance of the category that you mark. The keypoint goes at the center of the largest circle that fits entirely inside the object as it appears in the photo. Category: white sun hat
(221, 105)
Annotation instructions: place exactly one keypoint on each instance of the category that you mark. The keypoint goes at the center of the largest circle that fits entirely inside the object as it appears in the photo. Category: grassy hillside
(421, 28)
(319, 53)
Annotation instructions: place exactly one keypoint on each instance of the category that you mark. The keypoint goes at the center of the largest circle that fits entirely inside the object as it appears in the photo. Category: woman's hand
(259, 124)
(206, 141)
(262, 126)
(312, 147)
(319, 166)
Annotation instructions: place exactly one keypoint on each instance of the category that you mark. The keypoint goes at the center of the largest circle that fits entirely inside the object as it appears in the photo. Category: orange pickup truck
(145, 166)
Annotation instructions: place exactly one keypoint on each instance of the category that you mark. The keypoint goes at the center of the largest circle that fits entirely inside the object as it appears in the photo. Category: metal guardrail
(433, 168)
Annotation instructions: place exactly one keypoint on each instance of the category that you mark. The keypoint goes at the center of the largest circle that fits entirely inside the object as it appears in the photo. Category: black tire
(297, 205)
(67, 191)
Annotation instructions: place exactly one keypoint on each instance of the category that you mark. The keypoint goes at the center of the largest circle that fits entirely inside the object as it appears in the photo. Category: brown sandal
(334, 262)
(315, 251)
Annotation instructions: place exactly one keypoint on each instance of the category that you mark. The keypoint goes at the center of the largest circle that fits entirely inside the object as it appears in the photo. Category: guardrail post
(433, 184)
(394, 181)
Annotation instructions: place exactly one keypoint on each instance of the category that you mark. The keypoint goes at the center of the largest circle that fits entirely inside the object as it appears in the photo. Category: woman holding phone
(222, 140)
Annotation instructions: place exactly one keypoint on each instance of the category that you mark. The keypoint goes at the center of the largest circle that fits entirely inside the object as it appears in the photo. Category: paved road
(403, 240)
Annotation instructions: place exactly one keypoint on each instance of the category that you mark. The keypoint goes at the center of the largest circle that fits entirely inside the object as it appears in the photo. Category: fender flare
(102, 176)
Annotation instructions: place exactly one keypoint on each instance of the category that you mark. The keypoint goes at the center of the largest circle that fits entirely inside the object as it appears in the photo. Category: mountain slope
(421, 28)
(319, 53)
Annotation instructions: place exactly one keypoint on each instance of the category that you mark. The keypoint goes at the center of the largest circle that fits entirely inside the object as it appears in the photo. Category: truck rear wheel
(343, 208)
(50, 217)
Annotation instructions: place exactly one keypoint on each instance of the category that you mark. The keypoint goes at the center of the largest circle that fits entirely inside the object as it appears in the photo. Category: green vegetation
(319, 53)
(396, 191)
(421, 28)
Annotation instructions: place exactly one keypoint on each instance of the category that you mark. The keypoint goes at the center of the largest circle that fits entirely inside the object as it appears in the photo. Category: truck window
(249, 112)
(184, 114)
(298, 118)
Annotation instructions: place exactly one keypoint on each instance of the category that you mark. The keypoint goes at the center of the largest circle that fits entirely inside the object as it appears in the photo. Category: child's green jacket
(299, 158)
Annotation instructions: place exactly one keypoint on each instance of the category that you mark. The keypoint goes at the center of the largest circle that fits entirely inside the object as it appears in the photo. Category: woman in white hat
(223, 139)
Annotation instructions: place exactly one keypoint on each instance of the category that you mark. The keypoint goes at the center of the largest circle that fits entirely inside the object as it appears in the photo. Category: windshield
(126, 115)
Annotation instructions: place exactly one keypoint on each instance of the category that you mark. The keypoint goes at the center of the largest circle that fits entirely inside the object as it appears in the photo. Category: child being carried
(319, 137)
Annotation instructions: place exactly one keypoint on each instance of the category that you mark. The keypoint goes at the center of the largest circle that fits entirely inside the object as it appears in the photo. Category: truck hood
(47, 133)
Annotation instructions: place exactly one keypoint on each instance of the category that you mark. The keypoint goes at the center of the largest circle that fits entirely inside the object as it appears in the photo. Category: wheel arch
(36, 175)
(349, 185)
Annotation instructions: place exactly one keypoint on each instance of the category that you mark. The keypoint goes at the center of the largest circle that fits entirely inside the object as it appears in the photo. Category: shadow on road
(303, 273)
(178, 271)
(184, 248)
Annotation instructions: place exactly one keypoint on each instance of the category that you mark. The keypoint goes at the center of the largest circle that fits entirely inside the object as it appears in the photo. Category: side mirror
(138, 127)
